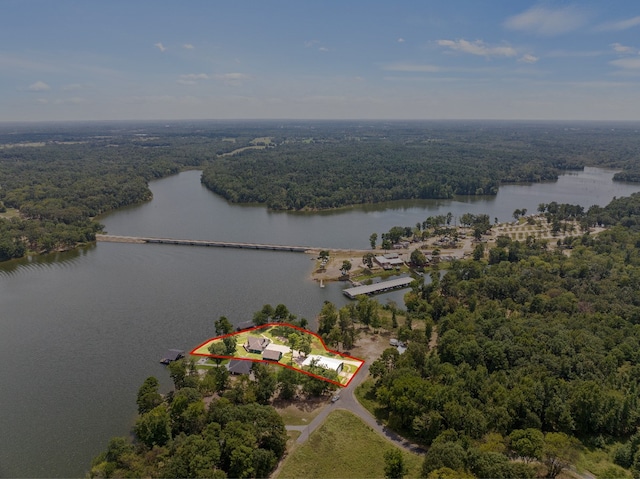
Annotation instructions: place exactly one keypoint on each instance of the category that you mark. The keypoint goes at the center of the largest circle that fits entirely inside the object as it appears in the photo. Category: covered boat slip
(378, 287)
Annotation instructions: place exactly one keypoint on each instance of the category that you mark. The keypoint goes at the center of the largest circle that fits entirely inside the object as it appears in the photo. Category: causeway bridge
(215, 244)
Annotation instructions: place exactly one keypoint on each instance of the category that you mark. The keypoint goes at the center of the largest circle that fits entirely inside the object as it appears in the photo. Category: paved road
(349, 402)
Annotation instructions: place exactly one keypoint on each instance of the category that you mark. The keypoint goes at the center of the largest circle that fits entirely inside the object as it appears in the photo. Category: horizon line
(163, 120)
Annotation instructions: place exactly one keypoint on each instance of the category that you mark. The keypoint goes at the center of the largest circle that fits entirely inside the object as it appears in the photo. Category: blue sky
(400, 59)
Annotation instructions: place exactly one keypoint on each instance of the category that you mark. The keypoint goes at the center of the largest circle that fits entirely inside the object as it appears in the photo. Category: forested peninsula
(333, 165)
(55, 179)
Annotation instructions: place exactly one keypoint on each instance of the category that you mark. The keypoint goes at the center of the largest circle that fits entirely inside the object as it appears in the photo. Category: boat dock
(380, 287)
(172, 355)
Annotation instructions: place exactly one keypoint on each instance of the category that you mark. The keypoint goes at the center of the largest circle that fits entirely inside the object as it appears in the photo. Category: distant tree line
(59, 178)
(348, 166)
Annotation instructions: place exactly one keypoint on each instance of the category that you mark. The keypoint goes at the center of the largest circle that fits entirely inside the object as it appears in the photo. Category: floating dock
(381, 287)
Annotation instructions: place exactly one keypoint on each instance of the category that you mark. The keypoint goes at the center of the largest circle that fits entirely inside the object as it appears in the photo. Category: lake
(80, 331)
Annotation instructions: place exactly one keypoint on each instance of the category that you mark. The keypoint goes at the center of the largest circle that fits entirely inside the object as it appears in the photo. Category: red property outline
(268, 325)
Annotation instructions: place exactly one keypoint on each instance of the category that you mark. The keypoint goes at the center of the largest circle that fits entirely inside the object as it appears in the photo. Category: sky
(299, 59)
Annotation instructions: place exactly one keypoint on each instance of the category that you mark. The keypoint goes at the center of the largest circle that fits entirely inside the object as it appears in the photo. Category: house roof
(385, 260)
(271, 354)
(238, 366)
(256, 344)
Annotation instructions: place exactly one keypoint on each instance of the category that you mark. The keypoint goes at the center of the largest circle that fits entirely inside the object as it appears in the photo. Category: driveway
(349, 403)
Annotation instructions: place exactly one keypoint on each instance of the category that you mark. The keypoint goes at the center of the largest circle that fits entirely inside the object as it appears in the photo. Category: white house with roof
(332, 364)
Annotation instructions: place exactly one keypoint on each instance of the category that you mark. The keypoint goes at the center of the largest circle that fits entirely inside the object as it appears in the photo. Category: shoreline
(517, 232)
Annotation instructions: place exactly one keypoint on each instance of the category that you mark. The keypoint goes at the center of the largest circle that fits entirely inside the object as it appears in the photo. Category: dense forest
(339, 166)
(55, 179)
(537, 348)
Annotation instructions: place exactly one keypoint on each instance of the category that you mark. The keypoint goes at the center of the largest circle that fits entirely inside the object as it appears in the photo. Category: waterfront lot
(276, 336)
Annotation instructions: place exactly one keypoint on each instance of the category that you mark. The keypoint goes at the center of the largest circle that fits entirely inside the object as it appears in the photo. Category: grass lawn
(10, 213)
(300, 414)
(343, 447)
(599, 463)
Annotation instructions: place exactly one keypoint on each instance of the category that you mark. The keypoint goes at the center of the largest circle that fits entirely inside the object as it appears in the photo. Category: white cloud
(528, 58)
(73, 87)
(160, 47)
(315, 43)
(627, 63)
(188, 46)
(621, 25)
(618, 48)
(478, 48)
(400, 40)
(546, 21)
(69, 101)
(192, 78)
(232, 79)
(39, 86)
(412, 67)
(575, 54)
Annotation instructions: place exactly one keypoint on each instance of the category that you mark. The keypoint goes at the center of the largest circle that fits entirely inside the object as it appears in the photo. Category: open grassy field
(343, 447)
(10, 213)
(300, 413)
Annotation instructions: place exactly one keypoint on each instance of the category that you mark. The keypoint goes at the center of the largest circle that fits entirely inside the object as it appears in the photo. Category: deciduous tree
(394, 465)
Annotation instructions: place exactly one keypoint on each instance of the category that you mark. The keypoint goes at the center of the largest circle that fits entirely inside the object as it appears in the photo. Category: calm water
(80, 331)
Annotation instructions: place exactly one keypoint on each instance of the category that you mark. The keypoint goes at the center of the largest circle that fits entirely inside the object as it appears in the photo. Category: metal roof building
(377, 287)
(332, 364)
